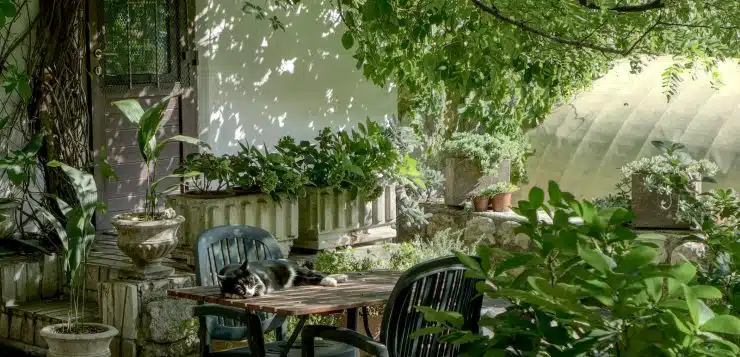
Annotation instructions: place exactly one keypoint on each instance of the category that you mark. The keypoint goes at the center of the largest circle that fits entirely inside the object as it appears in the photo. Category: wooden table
(362, 290)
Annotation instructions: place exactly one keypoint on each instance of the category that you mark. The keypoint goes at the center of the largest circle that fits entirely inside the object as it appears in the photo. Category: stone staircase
(150, 324)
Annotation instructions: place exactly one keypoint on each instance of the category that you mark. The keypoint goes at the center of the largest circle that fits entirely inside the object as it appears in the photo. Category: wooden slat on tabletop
(362, 289)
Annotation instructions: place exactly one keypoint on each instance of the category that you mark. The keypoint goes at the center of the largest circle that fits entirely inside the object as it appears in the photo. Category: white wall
(582, 145)
(257, 85)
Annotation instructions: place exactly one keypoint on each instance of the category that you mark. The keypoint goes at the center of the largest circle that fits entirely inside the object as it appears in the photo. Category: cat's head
(240, 284)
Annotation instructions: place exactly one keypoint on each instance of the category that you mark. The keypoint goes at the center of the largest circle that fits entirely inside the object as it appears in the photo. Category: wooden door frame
(188, 100)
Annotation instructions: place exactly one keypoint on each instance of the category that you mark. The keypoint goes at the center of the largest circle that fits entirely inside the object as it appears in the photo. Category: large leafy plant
(279, 173)
(77, 237)
(590, 289)
(360, 161)
(148, 122)
(216, 172)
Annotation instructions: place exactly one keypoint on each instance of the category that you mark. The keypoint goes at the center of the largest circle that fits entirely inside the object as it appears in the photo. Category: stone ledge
(497, 228)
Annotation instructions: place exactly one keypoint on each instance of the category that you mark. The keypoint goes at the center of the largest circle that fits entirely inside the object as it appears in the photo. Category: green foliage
(359, 161)
(78, 234)
(418, 250)
(499, 188)
(487, 151)
(673, 173)
(280, 173)
(590, 290)
(216, 172)
(148, 123)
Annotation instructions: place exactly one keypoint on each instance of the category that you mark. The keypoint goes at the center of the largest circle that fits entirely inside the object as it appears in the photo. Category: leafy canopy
(507, 62)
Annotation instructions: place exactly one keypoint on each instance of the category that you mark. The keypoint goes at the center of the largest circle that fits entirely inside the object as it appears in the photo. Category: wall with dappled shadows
(256, 84)
(583, 143)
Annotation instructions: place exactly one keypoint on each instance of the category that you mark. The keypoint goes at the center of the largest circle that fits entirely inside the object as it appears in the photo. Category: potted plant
(76, 337)
(500, 195)
(662, 186)
(351, 187)
(256, 187)
(476, 161)
(15, 166)
(150, 235)
(481, 202)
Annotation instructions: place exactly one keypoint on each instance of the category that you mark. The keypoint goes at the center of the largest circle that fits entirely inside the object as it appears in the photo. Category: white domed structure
(583, 144)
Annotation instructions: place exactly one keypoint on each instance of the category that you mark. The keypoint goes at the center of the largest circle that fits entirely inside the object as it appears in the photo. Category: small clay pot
(480, 203)
(501, 202)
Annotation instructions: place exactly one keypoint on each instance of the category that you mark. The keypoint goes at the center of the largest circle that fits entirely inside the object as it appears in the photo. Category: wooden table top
(362, 289)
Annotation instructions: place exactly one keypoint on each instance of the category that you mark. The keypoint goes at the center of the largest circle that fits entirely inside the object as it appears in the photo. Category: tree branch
(493, 10)
(653, 5)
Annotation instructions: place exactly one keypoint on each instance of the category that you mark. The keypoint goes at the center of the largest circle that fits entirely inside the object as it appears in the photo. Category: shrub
(589, 290)
(488, 151)
(215, 173)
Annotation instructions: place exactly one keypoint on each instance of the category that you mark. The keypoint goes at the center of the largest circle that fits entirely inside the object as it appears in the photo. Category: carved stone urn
(147, 243)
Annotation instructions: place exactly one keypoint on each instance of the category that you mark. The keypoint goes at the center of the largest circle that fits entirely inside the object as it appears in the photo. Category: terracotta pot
(501, 202)
(79, 345)
(147, 243)
(480, 204)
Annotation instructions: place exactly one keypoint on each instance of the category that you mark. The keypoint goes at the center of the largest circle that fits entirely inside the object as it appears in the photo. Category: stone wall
(150, 323)
(497, 229)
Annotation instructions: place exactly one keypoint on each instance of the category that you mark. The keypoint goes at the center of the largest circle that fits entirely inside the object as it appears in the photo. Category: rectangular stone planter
(463, 176)
(653, 210)
(257, 210)
(329, 219)
(30, 278)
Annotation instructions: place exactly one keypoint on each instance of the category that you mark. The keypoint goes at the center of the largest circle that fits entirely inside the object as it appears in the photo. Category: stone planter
(147, 243)
(464, 178)
(78, 345)
(257, 210)
(653, 210)
(7, 218)
(329, 219)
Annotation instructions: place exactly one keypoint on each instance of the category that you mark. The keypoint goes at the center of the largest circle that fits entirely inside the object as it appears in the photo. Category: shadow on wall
(256, 85)
(614, 122)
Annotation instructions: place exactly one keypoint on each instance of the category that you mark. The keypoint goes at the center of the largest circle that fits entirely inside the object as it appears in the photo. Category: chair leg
(205, 338)
(308, 346)
(256, 340)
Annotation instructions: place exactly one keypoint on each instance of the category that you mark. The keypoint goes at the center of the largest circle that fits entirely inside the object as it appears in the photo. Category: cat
(265, 276)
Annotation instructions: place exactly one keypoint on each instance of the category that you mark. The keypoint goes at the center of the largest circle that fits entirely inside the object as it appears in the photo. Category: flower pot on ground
(76, 337)
(90, 340)
(500, 196)
(150, 235)
(476, 161)
(7, 218)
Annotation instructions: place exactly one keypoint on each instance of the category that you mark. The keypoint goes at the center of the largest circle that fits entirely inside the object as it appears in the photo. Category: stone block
(149, 322)
(479, 229)
(162, 320)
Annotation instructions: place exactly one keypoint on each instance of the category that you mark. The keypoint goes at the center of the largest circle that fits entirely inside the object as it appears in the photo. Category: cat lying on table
(265, 276)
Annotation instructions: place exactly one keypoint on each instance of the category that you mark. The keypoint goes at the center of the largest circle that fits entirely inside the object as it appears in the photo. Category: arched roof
(583, 144)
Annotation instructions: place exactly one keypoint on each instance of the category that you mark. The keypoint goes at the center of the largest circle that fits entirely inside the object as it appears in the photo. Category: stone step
(26, 278)
(22, 323)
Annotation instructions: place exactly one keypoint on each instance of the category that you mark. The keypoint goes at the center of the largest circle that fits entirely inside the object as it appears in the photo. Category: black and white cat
(265, 276)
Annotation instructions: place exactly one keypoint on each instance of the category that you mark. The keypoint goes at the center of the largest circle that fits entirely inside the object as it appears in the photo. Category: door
(139, 49)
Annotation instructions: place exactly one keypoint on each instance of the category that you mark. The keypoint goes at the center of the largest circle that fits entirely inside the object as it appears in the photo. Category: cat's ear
(245, 266)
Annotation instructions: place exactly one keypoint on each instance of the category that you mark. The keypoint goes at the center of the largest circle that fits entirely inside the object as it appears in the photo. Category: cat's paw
(340, 278)
(328, 281)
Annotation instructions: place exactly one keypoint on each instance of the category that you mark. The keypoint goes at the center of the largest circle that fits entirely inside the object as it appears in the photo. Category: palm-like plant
(148, 122)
